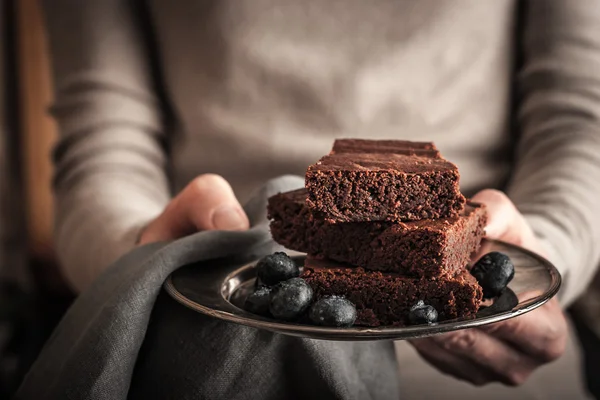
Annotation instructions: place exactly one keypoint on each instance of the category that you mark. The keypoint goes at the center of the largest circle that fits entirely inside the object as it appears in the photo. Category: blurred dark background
(33, 295)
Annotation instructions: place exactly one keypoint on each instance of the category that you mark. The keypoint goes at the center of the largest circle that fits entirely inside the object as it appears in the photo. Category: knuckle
(516, 378)
(554, 344)
(553, 352)
(465, 341)
(498, 327)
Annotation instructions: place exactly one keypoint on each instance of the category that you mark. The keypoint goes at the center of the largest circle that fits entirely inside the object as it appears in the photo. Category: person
(171, 113)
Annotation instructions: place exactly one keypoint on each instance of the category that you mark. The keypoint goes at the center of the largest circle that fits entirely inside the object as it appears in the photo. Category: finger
(207, 203)
(505, 222)
(542, 333)
(452, 365)
(510, 366)
(500, 210)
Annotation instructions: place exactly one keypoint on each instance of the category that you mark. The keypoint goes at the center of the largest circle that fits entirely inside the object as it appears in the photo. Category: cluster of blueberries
(281, 293)
(493, 272)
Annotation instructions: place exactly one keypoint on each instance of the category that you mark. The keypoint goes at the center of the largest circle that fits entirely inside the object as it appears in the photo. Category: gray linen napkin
(125, 338)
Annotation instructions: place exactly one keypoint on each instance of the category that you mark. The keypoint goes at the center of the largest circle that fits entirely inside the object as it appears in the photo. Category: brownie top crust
(424, 149)
(378, 162)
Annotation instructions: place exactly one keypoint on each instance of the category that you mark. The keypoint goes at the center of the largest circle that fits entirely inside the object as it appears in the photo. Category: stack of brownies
(385, 225)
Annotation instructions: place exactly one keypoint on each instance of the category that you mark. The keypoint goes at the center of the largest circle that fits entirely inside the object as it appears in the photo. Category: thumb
(501, 212)
(206, 203)
(505, 222)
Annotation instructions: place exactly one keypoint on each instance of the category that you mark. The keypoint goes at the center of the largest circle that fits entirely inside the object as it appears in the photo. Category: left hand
(508, 351)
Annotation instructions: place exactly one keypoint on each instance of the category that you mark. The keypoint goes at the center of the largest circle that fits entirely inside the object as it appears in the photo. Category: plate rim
(357, 333)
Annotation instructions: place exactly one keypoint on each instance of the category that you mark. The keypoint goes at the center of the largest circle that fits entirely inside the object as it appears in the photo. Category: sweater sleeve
(556, 183)
(110, 161)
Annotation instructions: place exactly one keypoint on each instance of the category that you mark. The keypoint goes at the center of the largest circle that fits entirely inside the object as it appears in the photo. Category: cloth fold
(123, 338)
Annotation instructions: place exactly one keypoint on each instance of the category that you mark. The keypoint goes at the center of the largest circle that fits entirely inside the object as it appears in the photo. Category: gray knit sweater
(150, 95)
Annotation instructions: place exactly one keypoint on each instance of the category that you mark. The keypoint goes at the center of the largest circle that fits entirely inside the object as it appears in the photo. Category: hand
(508, 351)
(207, 203)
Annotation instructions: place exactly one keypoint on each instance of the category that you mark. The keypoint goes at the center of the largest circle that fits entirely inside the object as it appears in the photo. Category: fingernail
(229, 218)
(488, 230)
(491, 230)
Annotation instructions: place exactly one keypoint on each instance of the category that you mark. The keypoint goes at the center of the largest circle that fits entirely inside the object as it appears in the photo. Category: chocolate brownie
(354, 187)
(416, 248)
(423, 149)
(386, 298)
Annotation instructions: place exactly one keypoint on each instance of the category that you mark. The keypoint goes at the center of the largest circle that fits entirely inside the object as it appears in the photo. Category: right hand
(206, 203)
(508, 351)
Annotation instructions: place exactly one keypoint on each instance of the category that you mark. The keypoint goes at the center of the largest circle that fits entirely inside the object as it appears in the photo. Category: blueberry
(258, 302)
(333, 311)
(259, 284)
(289, 299)
(276, 268)
(422, 313)
(493, 271)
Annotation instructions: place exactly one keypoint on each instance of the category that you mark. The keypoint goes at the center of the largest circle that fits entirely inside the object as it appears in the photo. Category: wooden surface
(38, 129)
